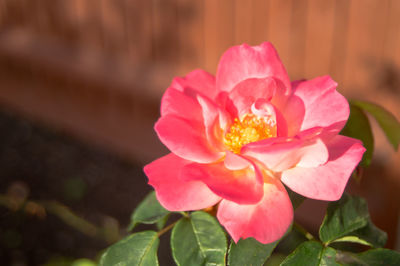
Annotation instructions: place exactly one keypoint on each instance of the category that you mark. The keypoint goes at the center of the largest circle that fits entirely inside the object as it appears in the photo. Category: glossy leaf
(358, 127)
(352, 239)
(137, 249)
(162, 222)
(83, 262)
(249, 252)
(372, 234)
(198, 240)
(376, 257)
(343, 217)
(311, 253)
(383, 257)
(369, 235)
(149, 211)
(385, 119)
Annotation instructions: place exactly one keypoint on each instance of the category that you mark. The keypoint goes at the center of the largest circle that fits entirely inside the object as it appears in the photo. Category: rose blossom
(235, 138)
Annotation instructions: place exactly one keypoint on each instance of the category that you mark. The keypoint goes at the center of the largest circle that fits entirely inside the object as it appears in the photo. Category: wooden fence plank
(243, 21)
(191, 38)
(319, 37)
(3, 12)
(297, 39)
(87, 18)
(165, 33)
(364, 42)
(113, 26)
(339, 42)
(279, 25)
(218, 31)
(139, 31)
(391, 49)
(259, 28)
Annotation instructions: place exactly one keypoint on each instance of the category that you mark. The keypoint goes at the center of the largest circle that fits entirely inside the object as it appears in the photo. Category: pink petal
(281, 124)
(235, 162)
(327, 182)
(245, 93)
(243, 186)
(323, 105)
(286, 153)
(174, 193)
(268, 111)
(281, 96)
(262, 108)
(186, 138)
(175, 102)
(313, 155)
(294, 115)
(199, 81)
(211, 116)
(244, 62)
(266, 221)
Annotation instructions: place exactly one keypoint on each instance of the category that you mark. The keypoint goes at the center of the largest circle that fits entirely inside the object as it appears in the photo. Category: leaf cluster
(198, 239)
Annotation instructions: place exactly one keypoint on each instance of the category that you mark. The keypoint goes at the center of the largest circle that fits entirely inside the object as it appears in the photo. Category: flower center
(249, 129)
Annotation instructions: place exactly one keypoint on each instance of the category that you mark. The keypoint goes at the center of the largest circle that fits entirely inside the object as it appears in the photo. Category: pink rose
(235, 138)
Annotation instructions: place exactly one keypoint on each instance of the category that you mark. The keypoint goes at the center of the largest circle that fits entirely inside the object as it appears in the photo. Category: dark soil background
(46, 165)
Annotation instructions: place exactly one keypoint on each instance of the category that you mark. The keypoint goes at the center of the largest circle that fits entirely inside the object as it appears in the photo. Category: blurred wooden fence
(346, 38)
(92, 60)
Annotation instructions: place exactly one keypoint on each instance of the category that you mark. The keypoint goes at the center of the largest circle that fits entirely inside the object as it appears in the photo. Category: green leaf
(374, 236)
(249, 252)
(358, 127)
(162, 222)
(386, 120)
(380, 256)
(311, 253)
(328, 257)
(198, 240)
(149, 211)
(343, 217)
(369, 235)
(352, 239)
(136, 249)
(348, 220)
(375, 257)
(83, 262)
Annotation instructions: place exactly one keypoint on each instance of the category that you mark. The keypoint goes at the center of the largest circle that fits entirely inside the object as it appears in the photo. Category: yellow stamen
(249, 129)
